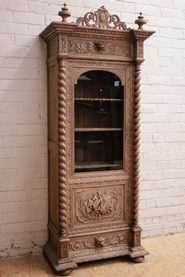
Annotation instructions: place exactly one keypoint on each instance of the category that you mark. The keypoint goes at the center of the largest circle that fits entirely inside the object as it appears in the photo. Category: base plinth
(62, 267)
(137, 254)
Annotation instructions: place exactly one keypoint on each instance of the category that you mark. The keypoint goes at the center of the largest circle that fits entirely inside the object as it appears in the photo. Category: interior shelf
(98, 99)
(97, 165)
(97, 129)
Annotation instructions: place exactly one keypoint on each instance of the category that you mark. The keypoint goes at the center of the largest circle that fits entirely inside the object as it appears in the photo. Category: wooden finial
(64, 13)
(140, 21)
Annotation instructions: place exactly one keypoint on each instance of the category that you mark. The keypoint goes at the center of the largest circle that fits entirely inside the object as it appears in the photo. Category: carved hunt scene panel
(99, 205)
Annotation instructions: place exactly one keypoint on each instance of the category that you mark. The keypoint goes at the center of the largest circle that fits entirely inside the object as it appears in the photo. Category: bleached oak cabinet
(93, 138)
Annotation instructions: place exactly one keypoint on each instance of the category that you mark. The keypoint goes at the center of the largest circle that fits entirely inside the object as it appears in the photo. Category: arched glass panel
(98, 122)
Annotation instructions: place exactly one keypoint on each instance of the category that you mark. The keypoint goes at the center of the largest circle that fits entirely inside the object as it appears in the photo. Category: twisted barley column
(62, 148)
(136, 144)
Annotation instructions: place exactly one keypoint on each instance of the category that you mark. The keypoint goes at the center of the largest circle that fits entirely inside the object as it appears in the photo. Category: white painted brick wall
(23, 117)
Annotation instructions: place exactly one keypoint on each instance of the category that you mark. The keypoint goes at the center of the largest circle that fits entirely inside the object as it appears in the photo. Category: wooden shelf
(97, 129)
(99, 99)
(96, 165)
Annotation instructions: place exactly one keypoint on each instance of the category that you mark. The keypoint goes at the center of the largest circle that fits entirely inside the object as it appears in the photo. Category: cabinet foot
(64, 272)
(138, 259)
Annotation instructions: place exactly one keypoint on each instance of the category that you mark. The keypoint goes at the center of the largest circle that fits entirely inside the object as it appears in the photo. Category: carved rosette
(136, 144)
(62, 148)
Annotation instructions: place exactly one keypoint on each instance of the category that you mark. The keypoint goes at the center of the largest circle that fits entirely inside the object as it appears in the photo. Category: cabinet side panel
(53, 185)
(52, 49)
(53, 103)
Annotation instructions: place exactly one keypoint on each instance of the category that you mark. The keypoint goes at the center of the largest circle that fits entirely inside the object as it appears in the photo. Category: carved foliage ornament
(102, 19)
(139, 53)
(84, 47)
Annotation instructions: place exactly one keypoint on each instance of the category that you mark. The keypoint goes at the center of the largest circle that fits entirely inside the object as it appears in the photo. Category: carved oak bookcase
(93, 138)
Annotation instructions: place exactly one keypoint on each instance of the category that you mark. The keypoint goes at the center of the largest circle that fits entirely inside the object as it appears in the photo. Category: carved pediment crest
(101, 19)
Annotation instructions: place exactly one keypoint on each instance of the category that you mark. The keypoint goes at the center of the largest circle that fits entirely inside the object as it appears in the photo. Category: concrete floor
(166, 259)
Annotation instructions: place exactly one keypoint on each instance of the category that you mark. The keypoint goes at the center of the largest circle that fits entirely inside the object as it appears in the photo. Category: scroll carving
(98, 205)
(102, 19)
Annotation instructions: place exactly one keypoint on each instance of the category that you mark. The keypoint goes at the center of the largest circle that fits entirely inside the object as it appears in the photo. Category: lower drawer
(96, 247)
